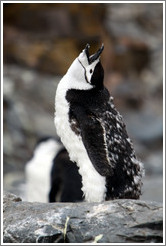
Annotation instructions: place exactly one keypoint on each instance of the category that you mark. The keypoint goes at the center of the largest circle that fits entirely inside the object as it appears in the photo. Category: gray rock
(118, 221)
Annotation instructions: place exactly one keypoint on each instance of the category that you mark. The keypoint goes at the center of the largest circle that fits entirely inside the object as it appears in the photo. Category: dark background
(40, 42)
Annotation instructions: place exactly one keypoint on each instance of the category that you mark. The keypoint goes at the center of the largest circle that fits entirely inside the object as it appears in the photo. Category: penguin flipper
(94, 138)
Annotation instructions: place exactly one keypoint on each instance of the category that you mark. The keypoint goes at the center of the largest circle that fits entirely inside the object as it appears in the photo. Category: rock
(9, 197)
(118, 221)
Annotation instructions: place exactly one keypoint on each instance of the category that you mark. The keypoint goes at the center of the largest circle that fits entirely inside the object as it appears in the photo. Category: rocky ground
(36, 58)
(118, 221)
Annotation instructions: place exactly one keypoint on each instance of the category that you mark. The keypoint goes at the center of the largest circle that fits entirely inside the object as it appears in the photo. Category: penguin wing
(93, 136)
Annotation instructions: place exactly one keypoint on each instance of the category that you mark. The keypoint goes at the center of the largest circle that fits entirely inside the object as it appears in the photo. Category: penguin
(50, 175)
(65, 185)
(38, 169)
(94, 133)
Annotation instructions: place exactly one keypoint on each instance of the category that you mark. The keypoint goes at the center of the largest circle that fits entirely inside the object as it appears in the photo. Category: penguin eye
(91, 71)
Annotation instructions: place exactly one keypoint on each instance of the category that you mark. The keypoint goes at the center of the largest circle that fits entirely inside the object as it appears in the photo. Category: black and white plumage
(38, 169)
(93, 132)
(50, 175)
(65, 179)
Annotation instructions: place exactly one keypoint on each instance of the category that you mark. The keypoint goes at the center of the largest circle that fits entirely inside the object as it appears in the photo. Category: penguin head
(87, 70)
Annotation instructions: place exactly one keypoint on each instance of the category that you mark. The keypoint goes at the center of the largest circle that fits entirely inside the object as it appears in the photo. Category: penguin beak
(95, 56)
(87, 52)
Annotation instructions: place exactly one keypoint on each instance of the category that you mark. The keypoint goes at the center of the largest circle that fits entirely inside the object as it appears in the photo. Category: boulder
(118, 221)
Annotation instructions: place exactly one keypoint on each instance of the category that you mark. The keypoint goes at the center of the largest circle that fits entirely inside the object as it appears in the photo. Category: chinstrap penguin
(94, 134)
(38, 169)
(65, 180)
(50, 175)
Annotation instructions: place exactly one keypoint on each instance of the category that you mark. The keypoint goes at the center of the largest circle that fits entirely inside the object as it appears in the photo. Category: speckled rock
(118, 221)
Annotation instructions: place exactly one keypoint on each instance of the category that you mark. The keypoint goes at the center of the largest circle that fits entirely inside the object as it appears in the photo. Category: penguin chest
(71, 141)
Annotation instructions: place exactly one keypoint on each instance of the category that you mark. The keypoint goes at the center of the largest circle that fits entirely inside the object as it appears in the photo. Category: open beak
(95, 56)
